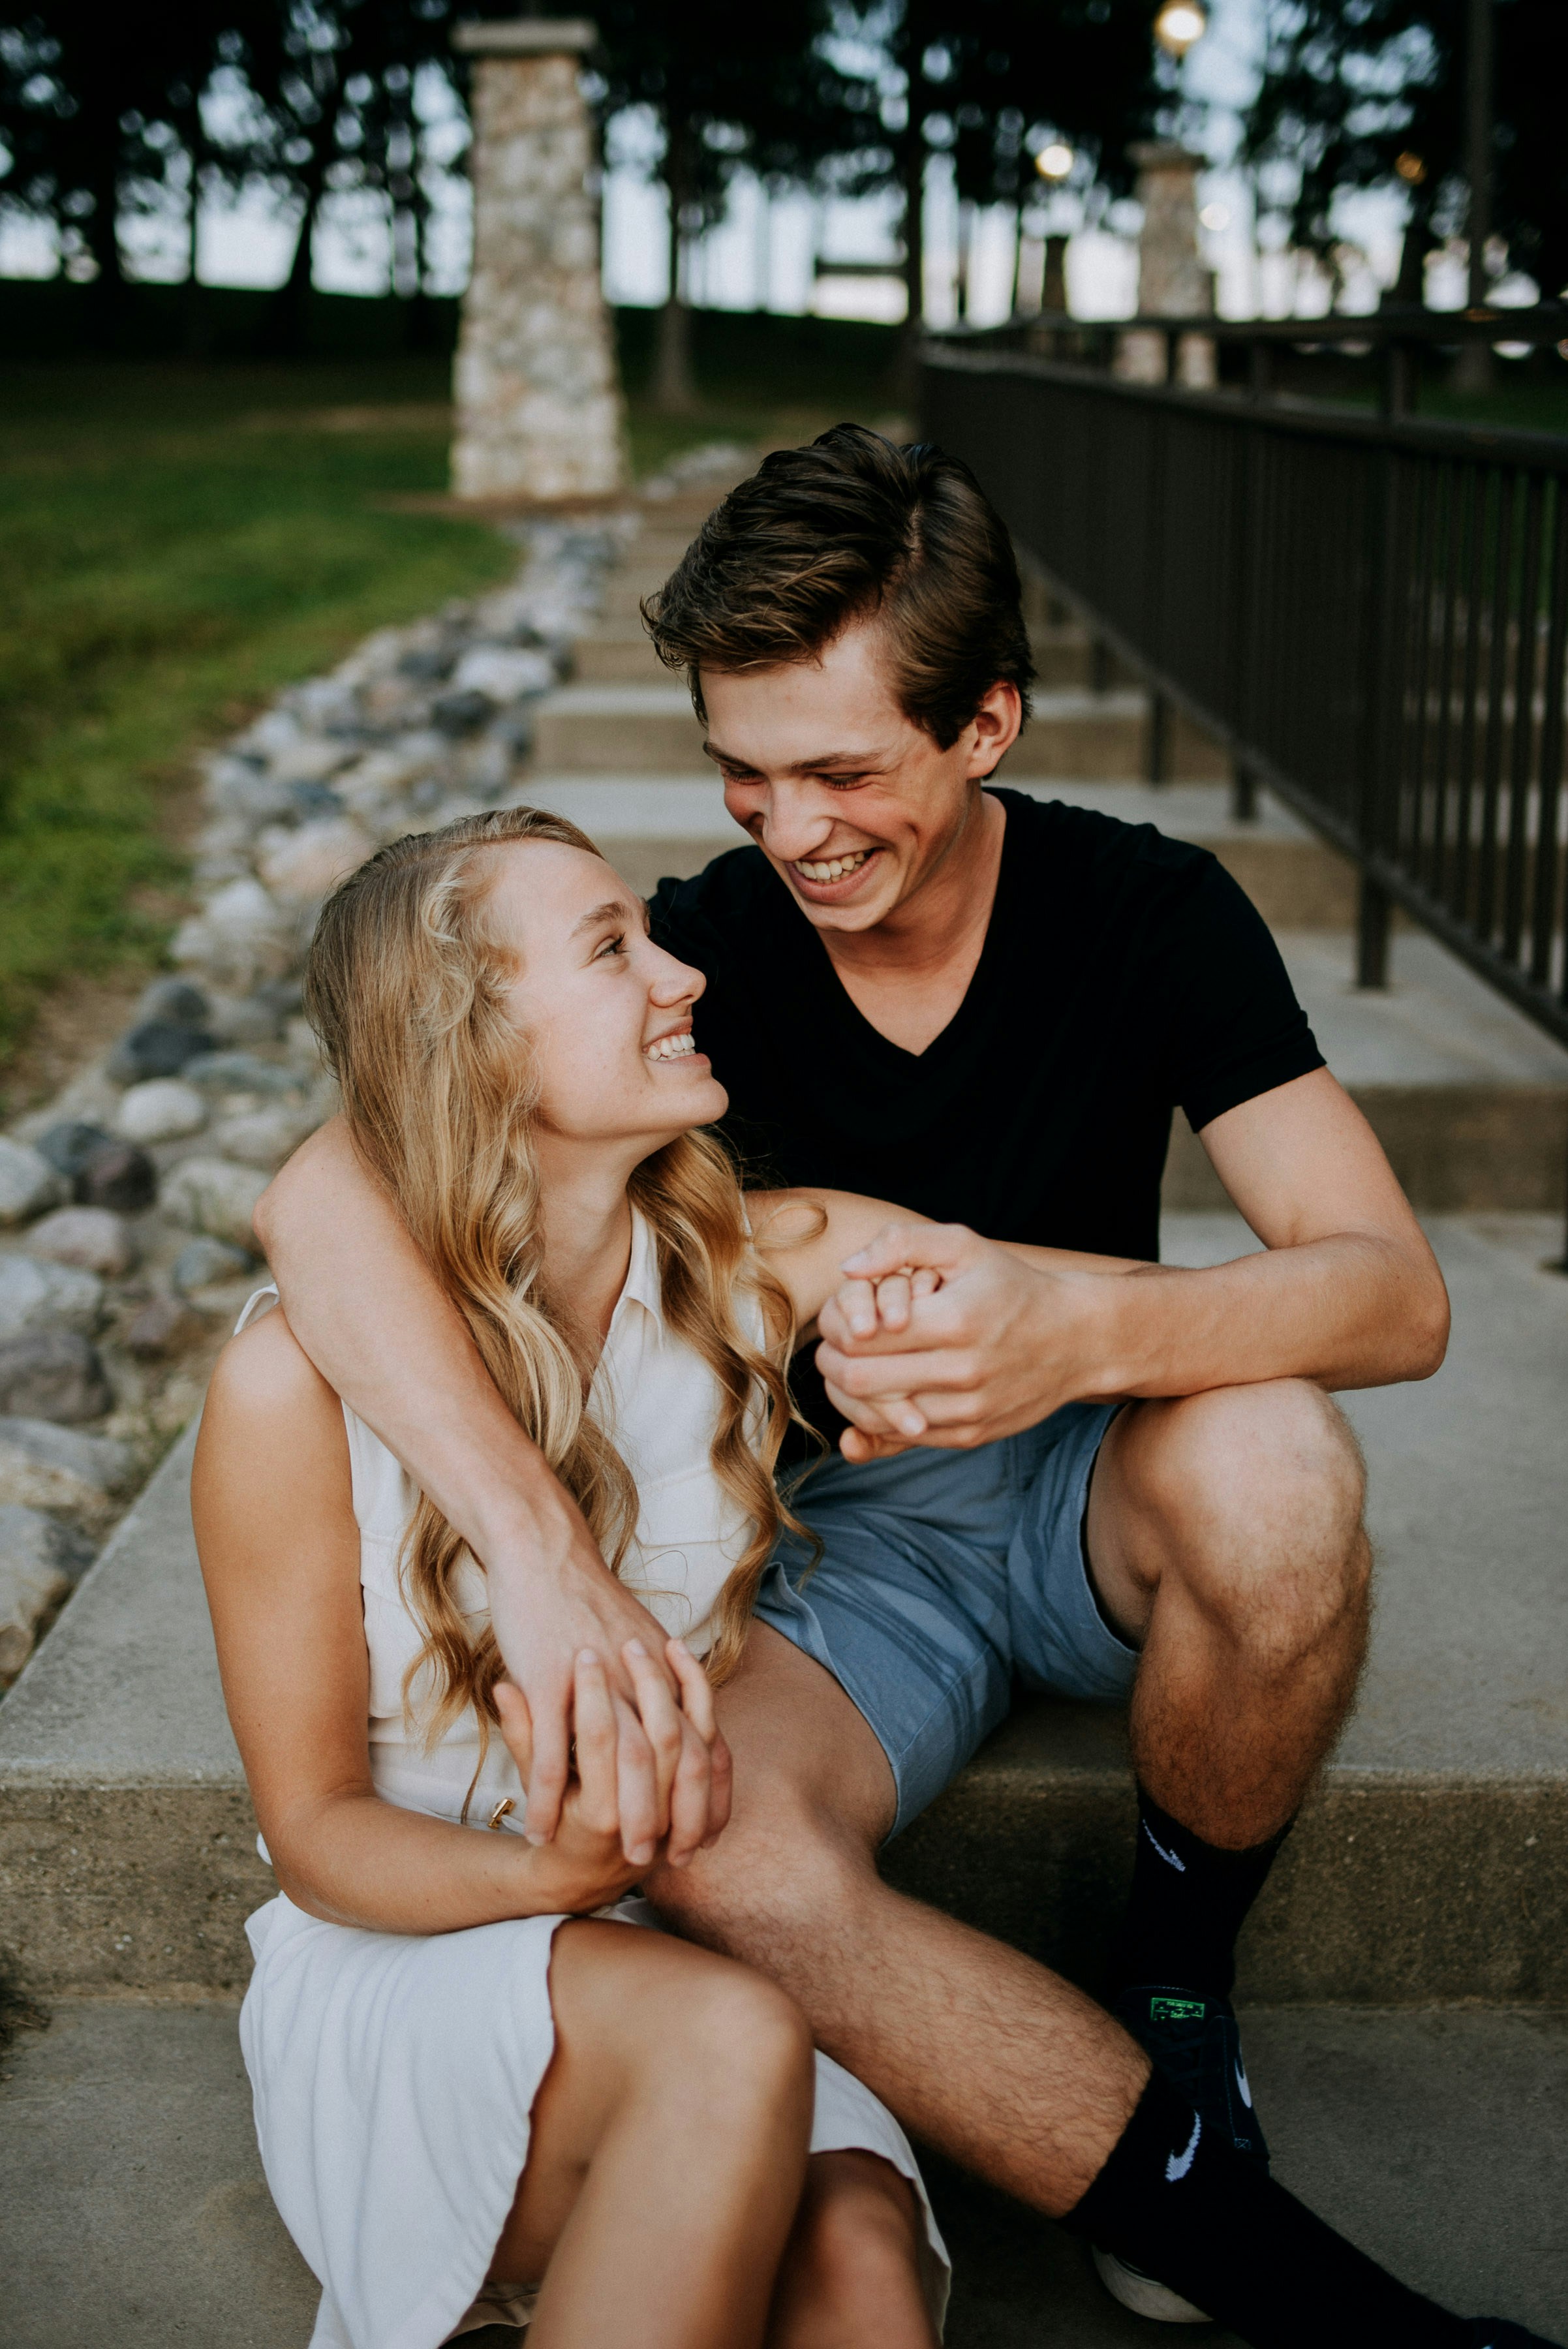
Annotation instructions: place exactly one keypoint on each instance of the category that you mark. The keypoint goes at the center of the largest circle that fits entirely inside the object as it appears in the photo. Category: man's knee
(780, 1870)
(1254, 1495)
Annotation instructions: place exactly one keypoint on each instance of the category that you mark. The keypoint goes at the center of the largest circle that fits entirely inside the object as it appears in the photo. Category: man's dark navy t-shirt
(1124, 975)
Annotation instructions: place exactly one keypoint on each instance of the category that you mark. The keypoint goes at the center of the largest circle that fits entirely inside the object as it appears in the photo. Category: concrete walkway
(133, 2212)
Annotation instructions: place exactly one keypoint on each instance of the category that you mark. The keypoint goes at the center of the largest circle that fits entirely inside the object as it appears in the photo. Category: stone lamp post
(1173, 280)
(539, 416)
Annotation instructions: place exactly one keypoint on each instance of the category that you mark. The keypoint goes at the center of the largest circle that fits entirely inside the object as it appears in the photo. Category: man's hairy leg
(1224, 1531)
(1000, 2063)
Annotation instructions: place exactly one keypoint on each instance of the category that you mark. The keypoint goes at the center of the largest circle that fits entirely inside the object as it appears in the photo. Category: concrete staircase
(1430, 1873)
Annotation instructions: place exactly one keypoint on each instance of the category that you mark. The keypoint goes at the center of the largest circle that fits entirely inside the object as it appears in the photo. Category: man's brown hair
(853, 528)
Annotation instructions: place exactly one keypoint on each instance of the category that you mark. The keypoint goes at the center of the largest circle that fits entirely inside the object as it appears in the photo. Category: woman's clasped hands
(588, 1850)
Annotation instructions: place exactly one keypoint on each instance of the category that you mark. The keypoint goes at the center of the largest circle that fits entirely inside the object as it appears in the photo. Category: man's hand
(672, 1768)
(588, 1853)
(940, 1337)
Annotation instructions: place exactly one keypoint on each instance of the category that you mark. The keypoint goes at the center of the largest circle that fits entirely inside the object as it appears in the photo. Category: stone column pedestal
(539, 416)
(1173, 281)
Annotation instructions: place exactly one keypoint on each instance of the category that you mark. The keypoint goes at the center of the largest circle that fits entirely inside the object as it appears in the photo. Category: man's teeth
(832, 868)
(671, 1048)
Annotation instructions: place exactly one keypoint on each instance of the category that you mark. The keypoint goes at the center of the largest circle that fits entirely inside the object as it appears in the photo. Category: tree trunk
(288, 304)
(674, 384)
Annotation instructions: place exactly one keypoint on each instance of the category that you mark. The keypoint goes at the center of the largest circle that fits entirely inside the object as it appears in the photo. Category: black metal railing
(1371, 614)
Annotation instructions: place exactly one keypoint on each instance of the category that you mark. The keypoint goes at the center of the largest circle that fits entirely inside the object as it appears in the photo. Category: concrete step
(1469, 1098)
(1432, 1866)
(594, 727)
(133, 2201)
(617, 653)
(1296, 882)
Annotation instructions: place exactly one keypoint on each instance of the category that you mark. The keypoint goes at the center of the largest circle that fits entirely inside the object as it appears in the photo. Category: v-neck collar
(839, 1006)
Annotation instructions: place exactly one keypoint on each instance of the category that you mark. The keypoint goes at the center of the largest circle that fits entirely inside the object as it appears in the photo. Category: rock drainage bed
(125, 1245)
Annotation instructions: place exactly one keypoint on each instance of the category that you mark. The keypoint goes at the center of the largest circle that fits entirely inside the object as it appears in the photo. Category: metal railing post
(1243, 790)
(1158, 764)
(1373, 919)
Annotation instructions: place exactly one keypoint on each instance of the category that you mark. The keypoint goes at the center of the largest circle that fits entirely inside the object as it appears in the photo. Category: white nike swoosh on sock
(1176, 2165)
(1242, 2083)
(1168, 1857)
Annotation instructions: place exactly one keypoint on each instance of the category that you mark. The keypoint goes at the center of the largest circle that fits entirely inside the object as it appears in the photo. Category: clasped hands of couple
(936, 1337)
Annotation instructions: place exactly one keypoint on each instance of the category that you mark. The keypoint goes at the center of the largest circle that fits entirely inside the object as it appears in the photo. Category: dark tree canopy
(1370, 93)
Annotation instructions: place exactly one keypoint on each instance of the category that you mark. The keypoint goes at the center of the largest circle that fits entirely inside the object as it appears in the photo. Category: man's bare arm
(365, 1307)
(1347, 1293)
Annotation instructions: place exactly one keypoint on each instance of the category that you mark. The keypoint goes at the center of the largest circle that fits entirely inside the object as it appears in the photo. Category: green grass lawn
(174, 548)
(166, 562)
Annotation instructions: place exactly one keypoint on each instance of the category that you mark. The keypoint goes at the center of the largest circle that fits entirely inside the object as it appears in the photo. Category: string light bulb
(1054, 161)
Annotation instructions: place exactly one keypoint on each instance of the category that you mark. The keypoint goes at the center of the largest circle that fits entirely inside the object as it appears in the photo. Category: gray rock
(43, 1466)
(240, 1019)
(119, 1175)
(68, 1145)
(36, 1296)
(29, 1596)
(265, 1137)
(165, 1326)
(239, 1073)
(503, 672)
(427, 664)
(28, 1537)
(54, 1374)
(29, 1182)
(155, 1048)
(460, 713)
(161, 1109)
(175, 999)
(213, 1196)
(202, 1261)
(94, 1239)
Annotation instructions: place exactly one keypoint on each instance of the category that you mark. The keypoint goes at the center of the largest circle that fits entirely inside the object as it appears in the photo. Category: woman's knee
(856, 2248)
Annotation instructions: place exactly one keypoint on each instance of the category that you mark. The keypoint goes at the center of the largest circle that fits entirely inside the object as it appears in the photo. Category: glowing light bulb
(1215, 217)
(1054, 161)
(1178, 24)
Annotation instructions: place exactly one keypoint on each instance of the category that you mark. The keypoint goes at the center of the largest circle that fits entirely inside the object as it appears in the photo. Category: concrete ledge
(127, 1839)
(1395, 1890)
(1432, 1865)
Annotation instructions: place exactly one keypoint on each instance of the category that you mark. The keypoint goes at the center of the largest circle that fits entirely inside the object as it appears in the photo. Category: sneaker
(1196, 2045)
(1144, 2295)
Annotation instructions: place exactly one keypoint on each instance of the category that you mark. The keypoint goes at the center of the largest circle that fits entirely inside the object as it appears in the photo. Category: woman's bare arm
(272, 1499)
(365, 1307)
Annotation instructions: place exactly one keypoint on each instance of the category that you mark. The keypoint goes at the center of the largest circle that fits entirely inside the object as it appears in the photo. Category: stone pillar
(1173, 281)
(538, 406)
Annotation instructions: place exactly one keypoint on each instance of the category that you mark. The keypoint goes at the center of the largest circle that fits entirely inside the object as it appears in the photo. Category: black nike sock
(1186, 1907)
(1177, 2200)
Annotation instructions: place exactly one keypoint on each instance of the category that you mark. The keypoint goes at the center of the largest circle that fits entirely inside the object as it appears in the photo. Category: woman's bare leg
(668, 2150)
(851, 2275)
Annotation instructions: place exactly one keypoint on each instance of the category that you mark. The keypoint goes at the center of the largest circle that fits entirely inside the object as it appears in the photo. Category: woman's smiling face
(607, 1012)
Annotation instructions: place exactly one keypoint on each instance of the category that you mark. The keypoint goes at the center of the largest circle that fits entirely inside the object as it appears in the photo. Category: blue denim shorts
(943, 1575)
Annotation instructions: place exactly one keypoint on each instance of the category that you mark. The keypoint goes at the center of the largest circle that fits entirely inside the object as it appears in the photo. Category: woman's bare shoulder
(266, 1382)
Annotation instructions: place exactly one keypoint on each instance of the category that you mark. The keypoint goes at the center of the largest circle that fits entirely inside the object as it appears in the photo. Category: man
(1109, 1478)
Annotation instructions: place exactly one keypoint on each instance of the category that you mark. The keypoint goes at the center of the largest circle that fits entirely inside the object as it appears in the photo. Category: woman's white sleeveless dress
(394, 2076)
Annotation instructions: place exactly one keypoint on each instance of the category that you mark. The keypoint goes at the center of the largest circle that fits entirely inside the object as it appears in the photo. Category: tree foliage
(1371, 94)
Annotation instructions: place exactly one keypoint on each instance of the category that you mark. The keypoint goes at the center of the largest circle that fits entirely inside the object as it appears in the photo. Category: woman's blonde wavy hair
(406, 989)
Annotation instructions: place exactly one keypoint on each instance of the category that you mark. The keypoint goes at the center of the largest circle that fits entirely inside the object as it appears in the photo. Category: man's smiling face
(851, 802)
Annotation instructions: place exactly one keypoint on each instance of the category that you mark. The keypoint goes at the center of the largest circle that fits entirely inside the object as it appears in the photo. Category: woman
(478, 2100)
